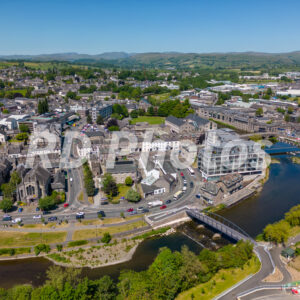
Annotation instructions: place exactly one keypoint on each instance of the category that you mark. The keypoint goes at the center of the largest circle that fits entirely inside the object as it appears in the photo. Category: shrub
(106, 238)
(41, 248)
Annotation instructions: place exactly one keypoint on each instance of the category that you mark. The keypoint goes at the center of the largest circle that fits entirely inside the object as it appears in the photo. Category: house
(35, 184)
(149, 190)
(178, 125)
(144, 104)
(123, 169)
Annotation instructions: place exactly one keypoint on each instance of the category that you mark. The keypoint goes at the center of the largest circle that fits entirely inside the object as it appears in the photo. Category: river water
(279, 194)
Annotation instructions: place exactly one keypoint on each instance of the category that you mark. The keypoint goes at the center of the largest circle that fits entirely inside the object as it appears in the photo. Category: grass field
(150, 120)
(161, 97)
(123, 189)
(92, 233)
(19, 239)
(223, 280)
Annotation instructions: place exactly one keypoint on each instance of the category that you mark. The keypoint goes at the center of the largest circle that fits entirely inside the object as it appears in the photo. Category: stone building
(35, 184)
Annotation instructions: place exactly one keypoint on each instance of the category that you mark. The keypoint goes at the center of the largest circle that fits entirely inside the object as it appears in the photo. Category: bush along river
(279, 194)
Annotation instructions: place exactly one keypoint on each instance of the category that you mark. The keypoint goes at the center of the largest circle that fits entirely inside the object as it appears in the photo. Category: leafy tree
(6, 204)
(259, 112)
(46, 203)
(134, 114)
(88, 180)
(113, 128)
(150, 111)
(89, 119)
(100, 120)
(109, 185)
(43, 107)
(128, 181)
(133, 196)
(22, 136)
(71, 95)
(24, 128)
(106, 238)
(277, 232)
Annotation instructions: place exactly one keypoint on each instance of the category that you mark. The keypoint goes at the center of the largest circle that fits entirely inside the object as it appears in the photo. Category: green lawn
(123, 189)
(223, 280)
(98, 232)
(150, 120)
(18, 239)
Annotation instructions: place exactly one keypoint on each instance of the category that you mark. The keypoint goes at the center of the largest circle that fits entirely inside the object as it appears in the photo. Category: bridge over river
(220, 224)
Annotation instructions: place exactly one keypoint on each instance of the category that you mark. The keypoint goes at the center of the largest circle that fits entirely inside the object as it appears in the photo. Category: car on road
(71, 179)
(37, 209)
(20, 209)
(140, 209)
(168, 201)
(130, 209)
(6, 218)
(37, 217)
(46, 212)
(198, 196)
(184, 181)
(16, 220)
(181, 174)
(101, 213)
(163, 206)
(81, 213)
(191, 184)
(66, 204)
(134, 212)
(52, 219)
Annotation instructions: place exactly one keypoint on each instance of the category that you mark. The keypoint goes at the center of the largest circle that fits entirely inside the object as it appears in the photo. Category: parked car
(20, 209)
(168, 201)
(37, 217)
(46, 212)
(191, 184)
(184, 181)
(37, 209)
(163, 207)
(66, 204)
(134, 212)
(140, 209)
(6, 218)
(80, 215)
(52, 219)
(130, 209)
(101, 213)
(198, 196)
(181, 174)
(16, 220)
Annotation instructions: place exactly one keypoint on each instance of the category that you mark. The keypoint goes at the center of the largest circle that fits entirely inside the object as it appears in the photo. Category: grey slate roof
(198, 120)
(175, 121)
(127, 166)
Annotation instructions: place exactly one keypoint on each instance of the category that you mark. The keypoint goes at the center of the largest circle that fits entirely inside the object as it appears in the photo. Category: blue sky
(52, 26)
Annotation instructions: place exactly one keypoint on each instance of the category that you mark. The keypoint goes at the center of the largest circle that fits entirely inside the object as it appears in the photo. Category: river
(279, 194)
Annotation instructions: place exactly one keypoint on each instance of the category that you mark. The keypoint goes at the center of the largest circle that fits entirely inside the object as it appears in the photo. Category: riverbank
(221, 281)
(295, 160)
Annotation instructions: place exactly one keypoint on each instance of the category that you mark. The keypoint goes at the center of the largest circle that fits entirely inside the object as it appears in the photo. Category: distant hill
(173, 59)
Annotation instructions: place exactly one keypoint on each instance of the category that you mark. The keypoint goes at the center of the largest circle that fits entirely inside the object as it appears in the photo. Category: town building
(225, 152)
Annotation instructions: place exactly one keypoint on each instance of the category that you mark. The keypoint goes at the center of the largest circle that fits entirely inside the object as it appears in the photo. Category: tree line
(170, 274)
